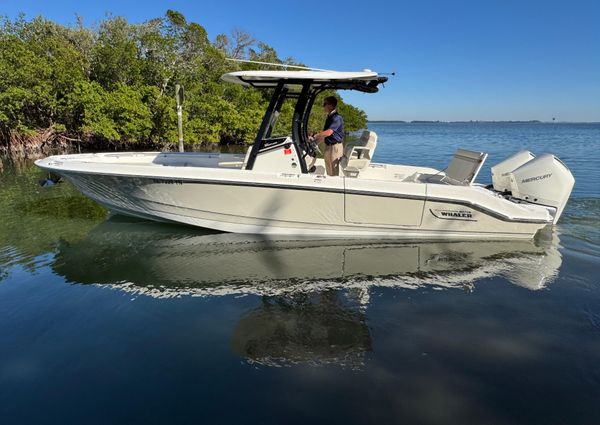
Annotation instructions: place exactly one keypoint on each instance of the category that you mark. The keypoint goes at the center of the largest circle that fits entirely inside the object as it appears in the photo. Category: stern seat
(461, 171)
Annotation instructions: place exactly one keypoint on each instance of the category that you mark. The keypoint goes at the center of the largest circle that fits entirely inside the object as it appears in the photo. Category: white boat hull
(300, 205)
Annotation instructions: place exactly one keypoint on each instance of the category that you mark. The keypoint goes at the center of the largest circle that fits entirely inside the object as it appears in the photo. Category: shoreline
(46, 142)
(49, 142)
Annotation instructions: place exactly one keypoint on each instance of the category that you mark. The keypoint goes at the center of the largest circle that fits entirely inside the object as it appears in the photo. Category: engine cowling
(545, 180)
(501, 171)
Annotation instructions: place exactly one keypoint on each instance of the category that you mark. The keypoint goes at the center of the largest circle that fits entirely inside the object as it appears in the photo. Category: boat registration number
(167, 181)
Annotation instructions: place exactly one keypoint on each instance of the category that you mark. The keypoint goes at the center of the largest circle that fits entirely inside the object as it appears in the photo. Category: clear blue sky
(454, 60)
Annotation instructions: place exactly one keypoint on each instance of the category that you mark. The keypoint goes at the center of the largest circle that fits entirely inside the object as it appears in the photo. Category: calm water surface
(114, 320)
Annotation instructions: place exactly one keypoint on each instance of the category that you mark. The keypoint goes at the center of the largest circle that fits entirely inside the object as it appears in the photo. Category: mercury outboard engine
(501, 172)
(544, 180)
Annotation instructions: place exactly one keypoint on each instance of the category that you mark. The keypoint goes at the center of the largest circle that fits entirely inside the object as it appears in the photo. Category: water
(125, 321)
(434, 144)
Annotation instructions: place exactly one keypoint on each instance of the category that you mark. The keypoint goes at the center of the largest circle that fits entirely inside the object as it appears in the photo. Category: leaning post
(179, 98)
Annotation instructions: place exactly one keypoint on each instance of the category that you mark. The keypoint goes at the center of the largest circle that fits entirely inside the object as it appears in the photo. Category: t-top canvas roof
(363, 80)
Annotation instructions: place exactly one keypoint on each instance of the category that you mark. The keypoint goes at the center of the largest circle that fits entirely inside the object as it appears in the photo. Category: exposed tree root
(47, 142)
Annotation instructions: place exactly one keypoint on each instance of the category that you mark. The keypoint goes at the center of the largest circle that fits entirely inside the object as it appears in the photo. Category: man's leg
(327, 156)
(337, 151)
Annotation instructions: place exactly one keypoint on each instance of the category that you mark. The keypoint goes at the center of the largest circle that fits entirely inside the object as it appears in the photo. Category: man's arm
(335, 124)
(322, 134)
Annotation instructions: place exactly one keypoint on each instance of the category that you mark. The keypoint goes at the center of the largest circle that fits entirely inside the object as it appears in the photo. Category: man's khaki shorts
(333, 154)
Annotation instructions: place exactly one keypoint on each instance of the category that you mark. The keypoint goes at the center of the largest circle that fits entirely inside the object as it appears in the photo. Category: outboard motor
(501, 171)
(545, 180)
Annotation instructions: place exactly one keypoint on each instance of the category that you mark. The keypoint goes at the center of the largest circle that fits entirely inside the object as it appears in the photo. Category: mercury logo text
(536, 178)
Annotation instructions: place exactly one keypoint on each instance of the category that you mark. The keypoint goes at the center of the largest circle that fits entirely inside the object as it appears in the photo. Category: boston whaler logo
(453, 214)
(536, 178)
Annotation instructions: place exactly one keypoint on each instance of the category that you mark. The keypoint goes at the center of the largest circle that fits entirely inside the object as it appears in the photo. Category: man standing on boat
(333, 136)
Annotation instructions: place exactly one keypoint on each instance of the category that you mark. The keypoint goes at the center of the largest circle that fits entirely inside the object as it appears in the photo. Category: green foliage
(116, 81)
(89, 111)
(354, 118)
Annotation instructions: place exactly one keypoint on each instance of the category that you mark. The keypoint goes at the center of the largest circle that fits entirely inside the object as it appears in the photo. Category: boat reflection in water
(315, 293)
(162, 260)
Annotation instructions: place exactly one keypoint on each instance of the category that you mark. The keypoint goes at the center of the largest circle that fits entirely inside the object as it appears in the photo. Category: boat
(279, 187)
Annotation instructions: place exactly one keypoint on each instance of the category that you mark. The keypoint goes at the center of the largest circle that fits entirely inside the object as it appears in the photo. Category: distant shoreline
(482, 122)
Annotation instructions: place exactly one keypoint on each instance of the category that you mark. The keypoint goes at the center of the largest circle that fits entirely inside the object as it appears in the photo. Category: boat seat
(464, 167)
(461, 171)
(357, 156)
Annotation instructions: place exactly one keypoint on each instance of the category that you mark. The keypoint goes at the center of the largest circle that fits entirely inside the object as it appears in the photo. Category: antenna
(283, 65)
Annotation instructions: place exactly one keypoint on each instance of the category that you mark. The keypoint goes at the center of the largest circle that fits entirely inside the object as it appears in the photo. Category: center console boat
(279, 187)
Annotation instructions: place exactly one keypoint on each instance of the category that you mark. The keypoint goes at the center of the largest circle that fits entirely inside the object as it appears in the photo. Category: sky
(454, 59)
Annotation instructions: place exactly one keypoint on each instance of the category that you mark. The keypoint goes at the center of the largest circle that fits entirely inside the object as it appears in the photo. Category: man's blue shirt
(335, 122)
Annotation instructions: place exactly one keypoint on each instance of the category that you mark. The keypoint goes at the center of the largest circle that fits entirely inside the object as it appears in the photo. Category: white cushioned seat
(463, 168)
(461, 171)
(357, 156)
